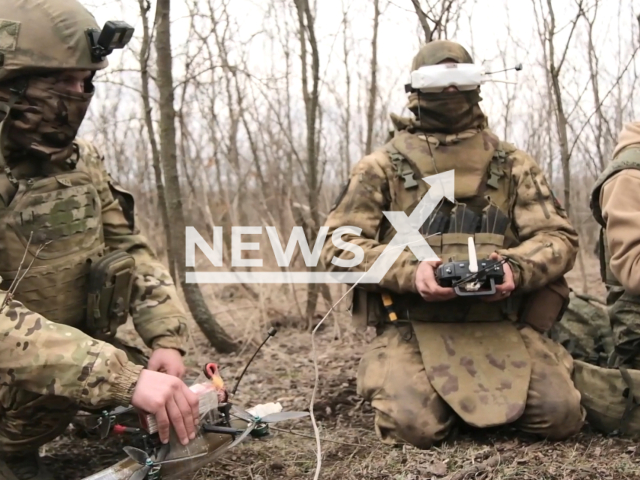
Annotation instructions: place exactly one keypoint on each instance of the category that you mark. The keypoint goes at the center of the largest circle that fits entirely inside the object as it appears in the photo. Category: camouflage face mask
(449, 112)
(45, 120)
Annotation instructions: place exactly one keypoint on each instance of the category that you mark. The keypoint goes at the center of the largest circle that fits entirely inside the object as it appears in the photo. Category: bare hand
(427, 285)
(172, 403)
(508, 285)
(167, 360)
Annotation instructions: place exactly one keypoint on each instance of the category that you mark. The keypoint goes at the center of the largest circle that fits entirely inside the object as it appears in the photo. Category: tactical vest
(484, 195)
(51, 239)
(616, 294)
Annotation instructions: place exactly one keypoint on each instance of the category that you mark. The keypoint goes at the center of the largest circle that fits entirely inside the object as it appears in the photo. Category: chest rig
(484, 197)
(51, 239)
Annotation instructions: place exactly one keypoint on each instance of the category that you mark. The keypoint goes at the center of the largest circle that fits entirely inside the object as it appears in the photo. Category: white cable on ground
(315, 385)
(315, 360)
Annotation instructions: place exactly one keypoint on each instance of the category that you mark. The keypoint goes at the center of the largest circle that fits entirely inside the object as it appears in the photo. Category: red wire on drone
(210, 370)
(119, 429)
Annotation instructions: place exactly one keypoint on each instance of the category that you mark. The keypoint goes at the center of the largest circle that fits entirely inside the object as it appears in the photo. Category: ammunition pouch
(413, 307)
(544, 307)
(366, 309)
(109, 294)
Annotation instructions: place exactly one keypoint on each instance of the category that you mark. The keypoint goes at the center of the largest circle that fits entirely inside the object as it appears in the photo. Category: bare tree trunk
(595, 87)
(373, 88)
(422, 17)
(311, 101)
(561, 117)
(168, 153)
(145, 6)
(346, 165)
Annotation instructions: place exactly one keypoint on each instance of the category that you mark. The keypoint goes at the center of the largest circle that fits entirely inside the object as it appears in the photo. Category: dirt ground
(284, 372)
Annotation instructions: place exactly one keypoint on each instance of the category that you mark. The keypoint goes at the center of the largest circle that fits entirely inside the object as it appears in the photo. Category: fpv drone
(222, 426)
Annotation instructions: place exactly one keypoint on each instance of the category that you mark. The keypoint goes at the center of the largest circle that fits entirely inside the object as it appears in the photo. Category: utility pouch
(110, 284)
(544, 307)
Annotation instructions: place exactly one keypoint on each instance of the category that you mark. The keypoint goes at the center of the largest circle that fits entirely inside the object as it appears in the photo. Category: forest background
(252, 112)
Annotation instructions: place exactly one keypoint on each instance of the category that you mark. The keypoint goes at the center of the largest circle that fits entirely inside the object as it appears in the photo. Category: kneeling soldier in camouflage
(442, 356)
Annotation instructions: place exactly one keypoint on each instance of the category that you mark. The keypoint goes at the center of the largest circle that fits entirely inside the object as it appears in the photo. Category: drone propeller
(270, 418)
(244, 435)
(283, 416)
(137, 455)
(242, 414)
(142, 458)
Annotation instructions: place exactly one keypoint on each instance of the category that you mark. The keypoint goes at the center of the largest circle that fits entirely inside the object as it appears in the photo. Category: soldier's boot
(23, 466)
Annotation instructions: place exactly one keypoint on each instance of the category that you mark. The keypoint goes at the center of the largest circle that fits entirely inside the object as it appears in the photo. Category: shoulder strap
(627, 158)
(496, 168)
(404, 167)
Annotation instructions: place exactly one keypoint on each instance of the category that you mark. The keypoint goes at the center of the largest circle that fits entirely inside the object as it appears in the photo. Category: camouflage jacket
(70, 362)
(54, 359)
(547, 242)
(157, 313)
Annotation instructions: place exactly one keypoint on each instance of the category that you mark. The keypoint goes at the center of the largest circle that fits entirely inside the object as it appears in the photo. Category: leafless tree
(548, 32)
(168, 153)
(373, 87)
(440, 16)
(271, 114)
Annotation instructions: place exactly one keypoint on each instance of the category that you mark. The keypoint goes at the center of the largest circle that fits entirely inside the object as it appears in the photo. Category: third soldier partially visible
(440, 358)
(610, 390)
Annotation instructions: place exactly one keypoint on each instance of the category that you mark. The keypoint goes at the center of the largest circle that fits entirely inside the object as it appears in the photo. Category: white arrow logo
(408, 235)
(408, 228)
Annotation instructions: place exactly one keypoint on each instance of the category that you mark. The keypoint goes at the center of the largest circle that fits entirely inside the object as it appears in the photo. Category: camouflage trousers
(29, 420)
(624, 317)
(584, 331)
(392, 376)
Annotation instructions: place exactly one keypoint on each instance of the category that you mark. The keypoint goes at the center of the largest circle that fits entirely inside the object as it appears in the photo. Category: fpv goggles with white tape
(463, 76)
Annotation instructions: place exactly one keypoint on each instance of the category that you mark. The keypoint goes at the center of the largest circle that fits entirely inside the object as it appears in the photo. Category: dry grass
(284, 372)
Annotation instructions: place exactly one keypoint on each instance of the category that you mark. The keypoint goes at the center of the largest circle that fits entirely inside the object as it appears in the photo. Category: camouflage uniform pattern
(394, 378)
(584, 330)
(417, 406)
(156, 311)
(607, 364)
(27, 418)
(43, 111)
(59, 212)
(609, 395)
(47, 370)
(548, 242)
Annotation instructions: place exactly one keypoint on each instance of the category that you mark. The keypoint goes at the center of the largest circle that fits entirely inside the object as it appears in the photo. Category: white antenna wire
(473, 259)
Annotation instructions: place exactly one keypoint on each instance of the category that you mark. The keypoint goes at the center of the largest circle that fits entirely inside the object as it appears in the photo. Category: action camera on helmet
(114, 35)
